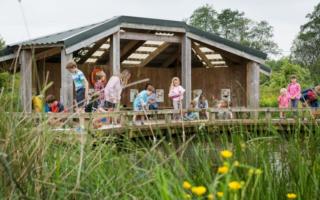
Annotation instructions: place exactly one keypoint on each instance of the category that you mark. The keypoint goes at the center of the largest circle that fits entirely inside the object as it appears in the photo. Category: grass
(39, 164)
(36, 163)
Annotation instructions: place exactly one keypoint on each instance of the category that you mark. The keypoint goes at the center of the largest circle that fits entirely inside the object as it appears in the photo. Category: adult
(114, 87)
(309, 97)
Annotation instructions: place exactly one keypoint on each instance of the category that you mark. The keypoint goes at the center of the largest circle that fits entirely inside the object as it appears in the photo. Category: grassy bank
(39, 164)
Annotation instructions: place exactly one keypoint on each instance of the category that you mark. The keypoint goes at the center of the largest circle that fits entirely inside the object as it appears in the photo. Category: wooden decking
(161, 121)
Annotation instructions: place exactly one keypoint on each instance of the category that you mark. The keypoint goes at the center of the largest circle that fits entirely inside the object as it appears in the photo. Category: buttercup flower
(199, 191)
(186, 185)
(226, 154)
(220, 194)
(291, 196)
(223, 170)
(210, 197)
(234, 185)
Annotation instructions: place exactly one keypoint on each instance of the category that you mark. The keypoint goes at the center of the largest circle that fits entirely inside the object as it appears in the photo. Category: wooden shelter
(149, 48)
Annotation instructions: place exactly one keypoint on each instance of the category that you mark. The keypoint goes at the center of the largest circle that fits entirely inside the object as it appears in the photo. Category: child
(203, 104)
(176, 92)
(294, 91)
(191, 115)
(53, 105)
(226, 114)
(283, 101)
(152, 102)
(141, 101)
(80, 83)
(99, 87)
(113, 89)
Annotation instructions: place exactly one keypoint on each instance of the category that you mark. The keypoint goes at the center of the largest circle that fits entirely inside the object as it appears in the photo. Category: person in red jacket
(53, 105)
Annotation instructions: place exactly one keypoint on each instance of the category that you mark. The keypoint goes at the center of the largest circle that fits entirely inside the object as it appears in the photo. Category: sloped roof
(74, 36)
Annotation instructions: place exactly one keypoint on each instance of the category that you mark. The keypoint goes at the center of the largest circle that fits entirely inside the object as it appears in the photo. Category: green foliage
(233, 25)
(2, 43)
(38, 163)
(9, 96)
(280, 78)
(305, 50)
(205, 18)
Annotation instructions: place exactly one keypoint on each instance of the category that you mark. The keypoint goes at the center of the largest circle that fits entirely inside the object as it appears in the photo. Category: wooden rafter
(154, 54)
(130, 48)
(150, 37)
(48, 53)
(224, 54)
(92, 50)
(201, 54)
(168, 62)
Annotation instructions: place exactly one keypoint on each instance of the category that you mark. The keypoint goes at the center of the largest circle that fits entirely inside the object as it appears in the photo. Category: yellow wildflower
(220, 194)
(223, 170)
(251, 171)
(187, 196)
(291, 196)
(186, 185)
(200, 190)
(226, 154)
(210, 197)
(234, 185)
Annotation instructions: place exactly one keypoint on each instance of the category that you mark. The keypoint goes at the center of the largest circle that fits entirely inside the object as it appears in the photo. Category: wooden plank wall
(211, 80)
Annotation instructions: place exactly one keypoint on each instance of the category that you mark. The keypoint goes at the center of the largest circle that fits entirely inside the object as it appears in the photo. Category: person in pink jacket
(283, 101)
(176, 92)
(294, 91)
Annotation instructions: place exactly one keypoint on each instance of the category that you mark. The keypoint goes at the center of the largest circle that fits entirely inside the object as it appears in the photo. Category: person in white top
(176, 92)
(114, 87)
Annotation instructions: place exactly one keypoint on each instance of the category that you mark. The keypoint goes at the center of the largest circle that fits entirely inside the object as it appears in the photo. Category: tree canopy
(305, 49)
(233, 25)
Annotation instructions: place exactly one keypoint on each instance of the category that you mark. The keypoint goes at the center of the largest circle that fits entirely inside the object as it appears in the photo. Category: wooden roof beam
(92, 50)
(154, 54)
(48, 53)
(201, 54)
(149, 37)
(168, 62)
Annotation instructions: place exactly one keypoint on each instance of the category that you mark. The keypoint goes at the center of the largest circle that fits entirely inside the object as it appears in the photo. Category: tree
(305, 49)
(204, 18)
(2, 43)
(260, 37)
(282, 69)
(233, 25)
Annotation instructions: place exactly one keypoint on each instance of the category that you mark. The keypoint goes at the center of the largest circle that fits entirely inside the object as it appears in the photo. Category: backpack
(311, 95)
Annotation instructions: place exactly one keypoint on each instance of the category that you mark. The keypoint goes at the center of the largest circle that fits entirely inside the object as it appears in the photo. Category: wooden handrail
(212, 111)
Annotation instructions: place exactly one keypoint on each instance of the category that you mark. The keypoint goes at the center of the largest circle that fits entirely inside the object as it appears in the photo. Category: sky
(34, 18)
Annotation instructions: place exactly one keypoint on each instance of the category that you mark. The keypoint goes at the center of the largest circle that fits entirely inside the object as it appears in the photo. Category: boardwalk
(162, 120)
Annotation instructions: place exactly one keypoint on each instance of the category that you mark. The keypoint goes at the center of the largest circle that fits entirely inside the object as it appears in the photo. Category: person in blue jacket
(309, 97)
(140, 103)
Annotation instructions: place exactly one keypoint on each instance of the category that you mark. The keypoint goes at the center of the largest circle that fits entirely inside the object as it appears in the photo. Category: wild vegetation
(233, 163)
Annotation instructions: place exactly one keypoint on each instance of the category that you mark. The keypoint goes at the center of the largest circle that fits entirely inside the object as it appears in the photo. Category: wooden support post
(26, 80)
(115, 53)
(66, 91)
(186, 69)
(253, 77)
